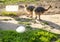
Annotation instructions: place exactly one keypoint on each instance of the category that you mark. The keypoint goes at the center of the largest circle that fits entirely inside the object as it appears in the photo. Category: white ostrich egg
(20, 29)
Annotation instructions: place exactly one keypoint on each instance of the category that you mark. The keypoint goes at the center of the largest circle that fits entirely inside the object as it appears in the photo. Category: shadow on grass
(51, 24)
(23, 19)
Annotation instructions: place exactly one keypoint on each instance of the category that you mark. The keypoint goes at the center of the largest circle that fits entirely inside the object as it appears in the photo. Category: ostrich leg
(35, 16)
(31, 15)
(39, 17)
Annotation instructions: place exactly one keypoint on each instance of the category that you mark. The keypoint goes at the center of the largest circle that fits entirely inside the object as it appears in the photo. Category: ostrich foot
(40, 19)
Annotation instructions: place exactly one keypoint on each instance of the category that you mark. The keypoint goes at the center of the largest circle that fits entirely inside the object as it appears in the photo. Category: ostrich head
(48, 8)
(25, 5)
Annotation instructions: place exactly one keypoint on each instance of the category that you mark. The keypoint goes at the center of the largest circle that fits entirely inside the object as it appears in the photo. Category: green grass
(36, 35)
(45, 23)
(5, 13)
(24, 23)
(16, 1)
(7, 19)
(58, 40)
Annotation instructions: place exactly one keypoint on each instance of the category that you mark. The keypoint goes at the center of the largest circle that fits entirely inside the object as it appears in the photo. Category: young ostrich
(40, 10)
(29, 10)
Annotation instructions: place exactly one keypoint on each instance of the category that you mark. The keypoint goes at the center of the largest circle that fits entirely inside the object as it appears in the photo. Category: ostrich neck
(47, 8)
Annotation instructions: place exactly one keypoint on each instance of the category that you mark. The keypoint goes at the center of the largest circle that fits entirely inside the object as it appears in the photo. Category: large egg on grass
(20, 29)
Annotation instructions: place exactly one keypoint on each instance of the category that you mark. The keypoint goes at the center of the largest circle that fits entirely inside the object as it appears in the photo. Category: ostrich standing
(29, 10)
(40, 10)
